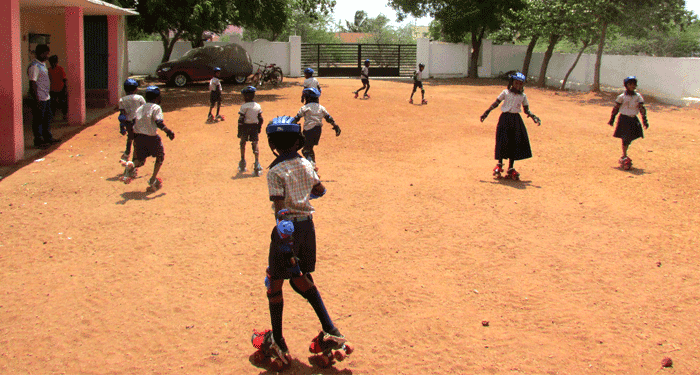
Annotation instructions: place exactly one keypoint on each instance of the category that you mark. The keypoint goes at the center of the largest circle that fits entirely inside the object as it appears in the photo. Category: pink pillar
(11, 126)
(75, 65)
(113, 38)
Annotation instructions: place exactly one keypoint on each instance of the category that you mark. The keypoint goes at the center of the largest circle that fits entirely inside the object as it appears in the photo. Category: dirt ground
(579, 268)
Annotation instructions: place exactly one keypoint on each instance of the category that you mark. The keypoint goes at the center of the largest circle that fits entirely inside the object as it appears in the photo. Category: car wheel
(180, 79)
(239, 79)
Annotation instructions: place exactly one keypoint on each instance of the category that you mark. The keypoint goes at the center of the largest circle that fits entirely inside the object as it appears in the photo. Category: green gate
(346, 60)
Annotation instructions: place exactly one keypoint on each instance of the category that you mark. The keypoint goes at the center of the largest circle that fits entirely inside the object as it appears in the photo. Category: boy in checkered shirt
(292, 183)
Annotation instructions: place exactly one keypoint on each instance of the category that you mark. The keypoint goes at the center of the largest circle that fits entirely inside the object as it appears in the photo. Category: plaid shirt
(291, 179)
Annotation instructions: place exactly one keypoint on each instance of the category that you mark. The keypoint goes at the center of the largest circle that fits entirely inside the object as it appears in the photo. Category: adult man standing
(39, 87)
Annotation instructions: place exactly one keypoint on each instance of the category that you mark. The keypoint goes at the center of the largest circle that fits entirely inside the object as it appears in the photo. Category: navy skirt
(304, 248)
(512, 141)
(628, 129)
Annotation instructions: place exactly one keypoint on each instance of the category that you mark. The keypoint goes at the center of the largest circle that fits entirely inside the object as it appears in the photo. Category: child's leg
(129, 140)
(305, 286)
(367, 89)
(511, 162)
(625, 147)
(308, 153)
(218, 108)
(276, 304)
(242, 144)
(256, 151)
(414, 91)
(156, 169)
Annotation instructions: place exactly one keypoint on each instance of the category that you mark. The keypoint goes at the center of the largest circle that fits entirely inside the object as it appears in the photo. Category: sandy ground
(579, 268)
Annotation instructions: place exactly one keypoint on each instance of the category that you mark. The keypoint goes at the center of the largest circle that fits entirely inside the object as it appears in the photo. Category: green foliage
(312, 27)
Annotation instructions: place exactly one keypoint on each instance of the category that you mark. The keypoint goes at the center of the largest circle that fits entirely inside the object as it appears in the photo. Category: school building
(89, 38)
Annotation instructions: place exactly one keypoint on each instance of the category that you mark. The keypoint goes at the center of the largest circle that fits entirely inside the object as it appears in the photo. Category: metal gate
(346, 60)
(96, 51)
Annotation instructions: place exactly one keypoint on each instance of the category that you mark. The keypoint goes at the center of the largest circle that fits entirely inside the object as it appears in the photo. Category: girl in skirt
(628, 104)
(511, 135)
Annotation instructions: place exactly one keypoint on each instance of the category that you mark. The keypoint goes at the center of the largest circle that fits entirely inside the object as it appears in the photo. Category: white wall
(144, 57)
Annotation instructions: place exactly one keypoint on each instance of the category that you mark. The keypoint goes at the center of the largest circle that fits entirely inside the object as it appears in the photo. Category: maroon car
(198, 65)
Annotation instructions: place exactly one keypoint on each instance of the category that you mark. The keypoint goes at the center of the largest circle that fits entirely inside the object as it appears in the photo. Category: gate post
(294, 56)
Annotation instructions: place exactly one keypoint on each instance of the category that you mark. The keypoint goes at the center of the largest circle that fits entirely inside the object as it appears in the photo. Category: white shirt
(365, 72)
(312, 82)
(629, 104)
(130, 103)
(512, 101)
(313, 114)
(418, 76)
(146, 117)
(250, 112)
(215, 83)
(38, 73)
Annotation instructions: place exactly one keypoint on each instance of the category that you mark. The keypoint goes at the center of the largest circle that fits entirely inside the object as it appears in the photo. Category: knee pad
(296, 288)
(256, 151)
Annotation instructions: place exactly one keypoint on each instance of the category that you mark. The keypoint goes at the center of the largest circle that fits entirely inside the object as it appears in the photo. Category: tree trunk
(168, 44)
(553, 40)
(476, 49)
(566, 77)
(599, 57)
(528, 54)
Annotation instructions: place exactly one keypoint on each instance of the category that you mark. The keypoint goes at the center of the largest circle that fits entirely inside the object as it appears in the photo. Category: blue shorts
(147, 145)
(312, 136)
(304, 248)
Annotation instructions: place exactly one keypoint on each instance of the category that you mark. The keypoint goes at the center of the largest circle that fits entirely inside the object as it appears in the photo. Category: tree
(460, 19)
(359, 24)
(312, 27)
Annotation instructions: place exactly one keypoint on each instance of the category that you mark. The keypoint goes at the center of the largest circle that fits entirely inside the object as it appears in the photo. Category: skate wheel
(321, 360)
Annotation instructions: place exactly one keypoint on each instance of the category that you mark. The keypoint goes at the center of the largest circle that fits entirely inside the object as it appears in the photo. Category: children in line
(512, 142)
(147, 142)
(418, 83)
(628, 104)
(313, 114)
(128, 104)
(250, 122)
(364, 77)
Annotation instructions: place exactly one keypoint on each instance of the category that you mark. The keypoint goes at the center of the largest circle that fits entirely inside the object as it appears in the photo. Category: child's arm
(332, 122)
(318, 191)
(122, 121)
(492, 107)
(536, 119)
(615, 110)
(241, 118)
(260, 122)
(643, 111)
(168, 132)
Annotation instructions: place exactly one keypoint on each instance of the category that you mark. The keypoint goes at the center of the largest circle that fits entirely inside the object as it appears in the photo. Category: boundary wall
(668, 79)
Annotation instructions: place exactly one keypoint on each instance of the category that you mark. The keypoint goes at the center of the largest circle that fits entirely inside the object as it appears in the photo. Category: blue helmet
(311, 92)
(153, 90)
(283, 124)
(130, 84)
(367, 61)
(248, 90)
(217, 69)
(518, 77)
(630, 79)
(308, 71)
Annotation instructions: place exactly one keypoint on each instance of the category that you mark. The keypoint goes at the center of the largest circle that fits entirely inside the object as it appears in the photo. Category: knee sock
(276, 310)
(314, 297)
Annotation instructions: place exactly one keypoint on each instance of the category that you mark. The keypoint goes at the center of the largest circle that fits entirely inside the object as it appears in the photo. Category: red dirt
(581, 267)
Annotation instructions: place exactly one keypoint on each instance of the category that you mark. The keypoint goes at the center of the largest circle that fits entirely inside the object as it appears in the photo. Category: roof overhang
(90, 7)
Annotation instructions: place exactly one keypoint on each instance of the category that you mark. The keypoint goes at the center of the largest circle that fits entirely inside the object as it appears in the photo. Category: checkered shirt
(292, 180)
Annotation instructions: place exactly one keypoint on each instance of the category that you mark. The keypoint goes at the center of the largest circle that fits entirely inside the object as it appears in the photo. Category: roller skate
(356, 94)
(219, 118)
(129, 172)
(329, 348)
(270, 354)
(513, 174)
(366, 96)
(625, 163)
(257, 169)
(210, 119)
(424, 101)
(241, 166)
(498, 170)
(410, 101)
(154, 185)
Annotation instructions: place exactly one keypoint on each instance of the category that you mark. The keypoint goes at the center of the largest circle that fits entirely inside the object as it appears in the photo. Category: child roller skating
(364, 77)
(313, 114)
(127, 115)
(512, 141)
(310, 82)
(418, 83)
(250, 122)
(292, 183)
(628, 104)
(215, 90)
(147, 142)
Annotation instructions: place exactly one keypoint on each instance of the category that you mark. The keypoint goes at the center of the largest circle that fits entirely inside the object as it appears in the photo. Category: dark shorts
(512, 141)
(215, 97)
(249, 132)
(365, 81)
(304, 248)
(417, 84)
(312, 136)
(628, 129)
(147, 145)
